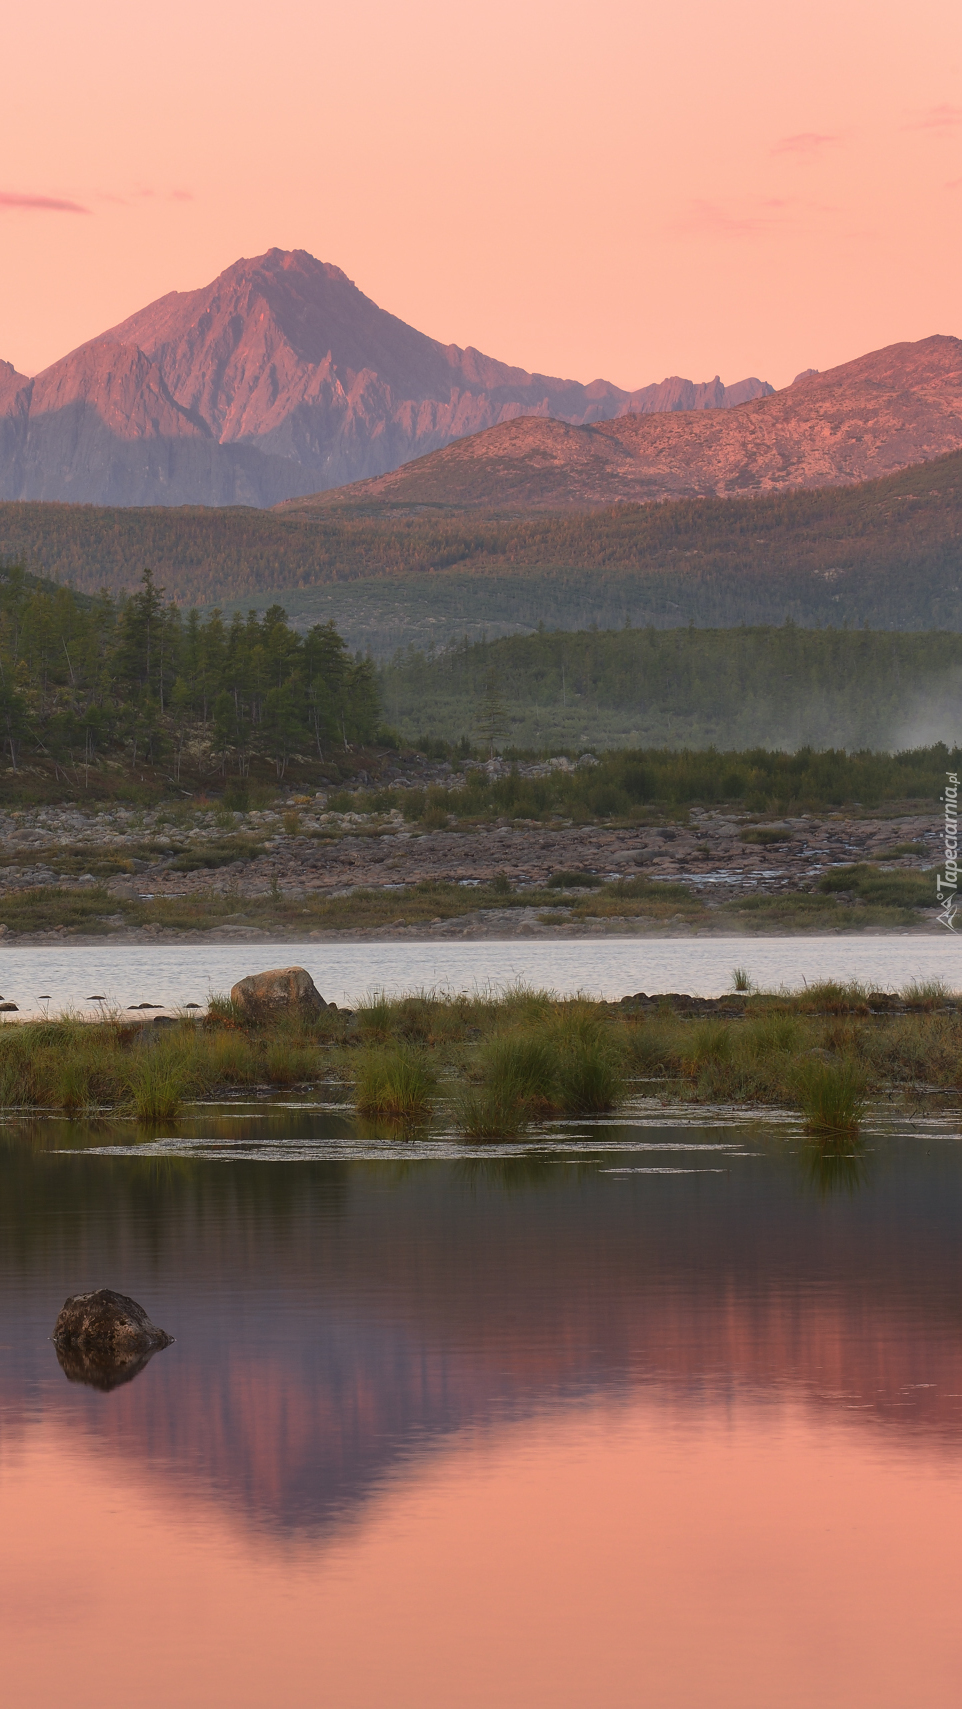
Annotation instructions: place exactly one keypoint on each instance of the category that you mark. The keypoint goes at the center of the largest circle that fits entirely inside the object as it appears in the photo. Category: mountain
(883, 412)
(280, 378)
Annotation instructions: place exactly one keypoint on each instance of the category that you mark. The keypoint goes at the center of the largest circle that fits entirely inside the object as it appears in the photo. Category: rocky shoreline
(308, 853)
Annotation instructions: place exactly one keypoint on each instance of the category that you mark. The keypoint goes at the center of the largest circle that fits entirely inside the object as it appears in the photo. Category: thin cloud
(941, 118)
(148, 193)
(711, 219)
(40, 204)
(805, 142)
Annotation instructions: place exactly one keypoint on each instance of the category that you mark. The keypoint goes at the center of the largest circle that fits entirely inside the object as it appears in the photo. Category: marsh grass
(831, 1096)
(398, 1084)
(485, 1112)
(158, 1084)
(929, 992)
(563, 1063)
(505, 1058)
(287, 1063)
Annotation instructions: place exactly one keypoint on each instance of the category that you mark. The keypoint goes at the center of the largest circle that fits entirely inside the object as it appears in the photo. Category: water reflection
(99, 1370)
(334, 1319)
(839, 1166)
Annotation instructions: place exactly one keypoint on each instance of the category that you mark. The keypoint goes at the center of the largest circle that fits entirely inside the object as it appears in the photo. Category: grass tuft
(399, 1084)
(831, 1096)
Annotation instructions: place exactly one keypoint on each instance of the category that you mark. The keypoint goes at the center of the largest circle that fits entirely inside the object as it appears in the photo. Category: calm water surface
(170, 974)
(653, 1412)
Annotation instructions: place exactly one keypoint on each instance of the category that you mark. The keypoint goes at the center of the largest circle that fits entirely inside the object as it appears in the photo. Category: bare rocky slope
(280, 378)
(871, 417)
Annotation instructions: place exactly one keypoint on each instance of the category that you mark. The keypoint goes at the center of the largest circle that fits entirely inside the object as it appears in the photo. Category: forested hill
(783, 688)
(888, 552)
(94, 682)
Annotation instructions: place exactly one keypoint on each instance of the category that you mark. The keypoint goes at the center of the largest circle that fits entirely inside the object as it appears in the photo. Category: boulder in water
(105, 1338)
(279, 990)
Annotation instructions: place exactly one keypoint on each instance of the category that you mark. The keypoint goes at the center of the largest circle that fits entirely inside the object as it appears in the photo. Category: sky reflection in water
(661, 1413)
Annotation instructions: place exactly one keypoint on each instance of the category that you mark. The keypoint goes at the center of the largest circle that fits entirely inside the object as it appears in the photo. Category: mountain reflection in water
(333, 1319)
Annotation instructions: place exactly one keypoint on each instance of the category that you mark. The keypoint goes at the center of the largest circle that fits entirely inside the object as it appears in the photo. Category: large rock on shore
(105, 1338)
(279, 990)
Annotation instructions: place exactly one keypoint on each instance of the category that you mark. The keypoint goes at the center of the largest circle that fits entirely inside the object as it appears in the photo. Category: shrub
(891, 889)
(574, 881)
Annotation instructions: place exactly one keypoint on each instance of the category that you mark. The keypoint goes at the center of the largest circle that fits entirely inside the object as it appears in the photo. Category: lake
(171, 974)
(657, 1410)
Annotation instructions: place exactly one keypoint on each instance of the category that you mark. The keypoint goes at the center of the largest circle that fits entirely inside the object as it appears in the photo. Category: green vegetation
(396, 1085)
(494, 1065)
(731, 688)
(563, 1061)
(832, 1096)
(84, 682)
(849, 899)
(886, 552)
(638, 785)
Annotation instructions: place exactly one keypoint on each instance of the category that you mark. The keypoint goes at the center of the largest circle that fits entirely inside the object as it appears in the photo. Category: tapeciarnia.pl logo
(947, 882)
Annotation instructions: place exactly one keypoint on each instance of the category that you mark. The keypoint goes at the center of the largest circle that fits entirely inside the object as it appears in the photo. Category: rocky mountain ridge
(883, 412)
(278, 379)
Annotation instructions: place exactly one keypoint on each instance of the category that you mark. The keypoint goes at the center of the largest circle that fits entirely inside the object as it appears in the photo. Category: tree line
(133, 676)
(779, 687)
(887, 550)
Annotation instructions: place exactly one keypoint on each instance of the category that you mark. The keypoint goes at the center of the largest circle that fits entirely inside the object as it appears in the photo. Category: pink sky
(617, 189)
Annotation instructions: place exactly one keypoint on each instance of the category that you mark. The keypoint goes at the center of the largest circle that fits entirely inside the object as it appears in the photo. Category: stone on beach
(104, 1338)
(278, 989)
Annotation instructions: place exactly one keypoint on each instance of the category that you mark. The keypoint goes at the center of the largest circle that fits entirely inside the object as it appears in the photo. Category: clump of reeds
(590, 1062)
(569, 1063)
(831, 1096)
(928, 991)
(158, 1081)
(741, 979)
(376, 1017)
(486, 1112)
(397, 1085)
(19, 1081)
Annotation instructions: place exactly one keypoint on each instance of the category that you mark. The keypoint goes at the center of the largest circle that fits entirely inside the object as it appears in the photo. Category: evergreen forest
(778, 688)
(886, 552)
(85, 679)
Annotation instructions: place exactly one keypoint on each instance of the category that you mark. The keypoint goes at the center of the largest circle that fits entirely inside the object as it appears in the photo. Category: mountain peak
(293, 379)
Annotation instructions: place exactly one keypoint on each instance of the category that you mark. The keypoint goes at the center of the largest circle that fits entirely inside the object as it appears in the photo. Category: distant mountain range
(886, 411)
(279, 379)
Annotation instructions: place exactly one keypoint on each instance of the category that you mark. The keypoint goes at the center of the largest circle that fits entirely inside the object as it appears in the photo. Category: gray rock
(261, 995)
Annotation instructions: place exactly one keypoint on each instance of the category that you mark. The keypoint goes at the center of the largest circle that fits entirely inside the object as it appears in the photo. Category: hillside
(278, 378)
(783, 688)
(886, 552)
(887, 410)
